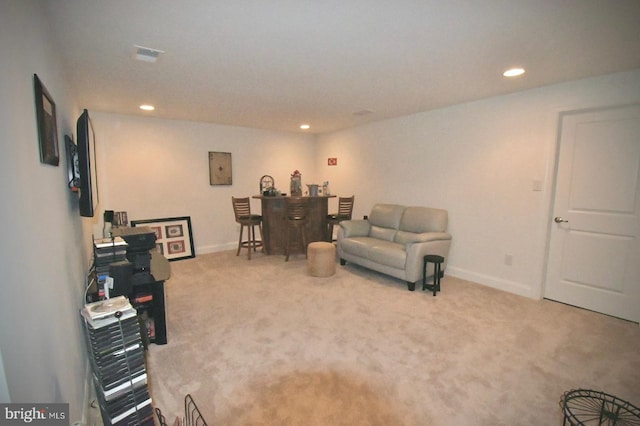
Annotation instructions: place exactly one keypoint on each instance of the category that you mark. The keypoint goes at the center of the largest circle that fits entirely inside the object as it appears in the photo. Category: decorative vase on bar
(296, 184)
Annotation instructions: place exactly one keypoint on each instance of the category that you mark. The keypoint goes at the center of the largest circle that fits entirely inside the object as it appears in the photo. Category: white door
(594, 248)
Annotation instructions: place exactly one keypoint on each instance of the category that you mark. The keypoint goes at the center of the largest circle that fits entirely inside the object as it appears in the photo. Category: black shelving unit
(144, 291)
(148, 300)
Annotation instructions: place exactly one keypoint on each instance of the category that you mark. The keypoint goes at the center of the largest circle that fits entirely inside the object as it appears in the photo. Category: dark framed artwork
(173, 236)
(220, 168)
(47, 127)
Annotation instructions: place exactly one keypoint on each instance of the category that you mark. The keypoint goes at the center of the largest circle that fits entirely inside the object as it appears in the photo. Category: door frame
(552, 176)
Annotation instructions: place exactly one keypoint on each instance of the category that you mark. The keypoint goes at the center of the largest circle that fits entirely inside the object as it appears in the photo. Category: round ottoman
(321, 259)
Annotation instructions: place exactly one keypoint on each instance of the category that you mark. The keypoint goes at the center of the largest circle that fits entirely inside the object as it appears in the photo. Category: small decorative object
(173, 236)
(220, 168)
(313, 189)
(120, 219)
(296, 184)
(47, 127)
(325, 189)
(267, 186)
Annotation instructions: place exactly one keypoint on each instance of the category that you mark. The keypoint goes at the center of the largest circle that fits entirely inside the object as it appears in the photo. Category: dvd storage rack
(117, 360)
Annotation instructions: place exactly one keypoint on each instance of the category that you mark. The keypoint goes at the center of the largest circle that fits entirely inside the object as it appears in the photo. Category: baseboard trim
(493, 282)
(216, 248)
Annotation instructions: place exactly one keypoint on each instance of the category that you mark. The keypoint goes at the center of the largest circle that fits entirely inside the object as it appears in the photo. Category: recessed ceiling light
(147, 107)
(513, 72)
(305, 126)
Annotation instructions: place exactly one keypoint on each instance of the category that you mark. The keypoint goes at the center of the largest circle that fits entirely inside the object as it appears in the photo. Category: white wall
(154, 168)
(44, 247)
(479, 161)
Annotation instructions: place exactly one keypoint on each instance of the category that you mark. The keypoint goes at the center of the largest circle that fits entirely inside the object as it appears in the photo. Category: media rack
(139, 272)
(117, 361)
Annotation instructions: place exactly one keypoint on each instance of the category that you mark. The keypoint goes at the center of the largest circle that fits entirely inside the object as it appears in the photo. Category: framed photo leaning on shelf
(173, 236)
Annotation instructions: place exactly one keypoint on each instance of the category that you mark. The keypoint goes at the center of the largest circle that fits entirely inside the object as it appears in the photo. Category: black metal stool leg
(424, 273)
(436, 277)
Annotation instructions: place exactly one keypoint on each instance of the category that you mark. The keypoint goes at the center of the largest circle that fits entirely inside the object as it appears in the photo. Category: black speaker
(121, 272)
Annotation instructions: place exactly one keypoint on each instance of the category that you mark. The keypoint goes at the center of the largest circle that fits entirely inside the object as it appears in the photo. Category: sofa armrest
(437, 243)
(355, 228)
(408, 238)
(431, 243)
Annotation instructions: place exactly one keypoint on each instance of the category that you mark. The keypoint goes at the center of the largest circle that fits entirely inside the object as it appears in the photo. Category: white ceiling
(278, 64)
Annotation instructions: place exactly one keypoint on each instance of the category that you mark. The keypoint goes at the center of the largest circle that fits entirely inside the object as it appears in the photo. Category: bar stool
(345, 209)
(437, 272)
(297, 216)
(242, 210)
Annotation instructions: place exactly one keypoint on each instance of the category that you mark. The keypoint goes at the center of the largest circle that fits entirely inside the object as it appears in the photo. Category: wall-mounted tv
(87, 166)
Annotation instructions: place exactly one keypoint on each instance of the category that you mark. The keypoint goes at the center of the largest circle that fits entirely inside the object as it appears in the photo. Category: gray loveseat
(394, 240)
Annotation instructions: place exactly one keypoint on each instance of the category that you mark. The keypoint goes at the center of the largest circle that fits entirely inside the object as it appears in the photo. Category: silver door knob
(558, 219)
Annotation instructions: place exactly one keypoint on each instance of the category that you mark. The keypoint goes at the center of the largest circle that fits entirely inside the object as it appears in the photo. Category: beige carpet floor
(262, 343)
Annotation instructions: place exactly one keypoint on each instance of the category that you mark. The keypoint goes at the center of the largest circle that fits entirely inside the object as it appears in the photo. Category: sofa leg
(412, 286)
(343, 262)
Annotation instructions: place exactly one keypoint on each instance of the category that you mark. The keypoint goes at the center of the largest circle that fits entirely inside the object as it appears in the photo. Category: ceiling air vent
(146, 54)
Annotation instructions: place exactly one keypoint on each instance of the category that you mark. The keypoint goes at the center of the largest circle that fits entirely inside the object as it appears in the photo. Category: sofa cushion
(355, 228)
(386, 215)
(357, 246)
(387, 234)
(388, 253)
(423, 219)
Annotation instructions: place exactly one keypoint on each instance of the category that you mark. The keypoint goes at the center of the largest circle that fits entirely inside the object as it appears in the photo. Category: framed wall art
(220, 168)
(173, 236)
(46, 121)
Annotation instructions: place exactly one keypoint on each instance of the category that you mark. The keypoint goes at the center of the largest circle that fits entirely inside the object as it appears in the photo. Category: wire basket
(583, 407)
(192, 415)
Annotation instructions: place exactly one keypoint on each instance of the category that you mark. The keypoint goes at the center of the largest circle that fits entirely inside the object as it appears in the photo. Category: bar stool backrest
(345, 207)
(241, 208)
(297, 208)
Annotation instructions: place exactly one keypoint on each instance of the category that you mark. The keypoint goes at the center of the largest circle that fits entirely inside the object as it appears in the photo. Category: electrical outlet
(537, 185)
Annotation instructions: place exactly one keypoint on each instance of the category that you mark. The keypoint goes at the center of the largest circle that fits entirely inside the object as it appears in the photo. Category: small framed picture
(46, 121)
(220, 168)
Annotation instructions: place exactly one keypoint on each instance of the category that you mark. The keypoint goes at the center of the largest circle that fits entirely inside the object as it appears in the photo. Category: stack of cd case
(105, 252)
(116, 353)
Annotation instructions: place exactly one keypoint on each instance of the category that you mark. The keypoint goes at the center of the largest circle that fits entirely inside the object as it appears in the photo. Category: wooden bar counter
(274, 227)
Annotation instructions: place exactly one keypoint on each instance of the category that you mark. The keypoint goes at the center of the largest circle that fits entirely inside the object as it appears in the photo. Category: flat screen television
(87, 166)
